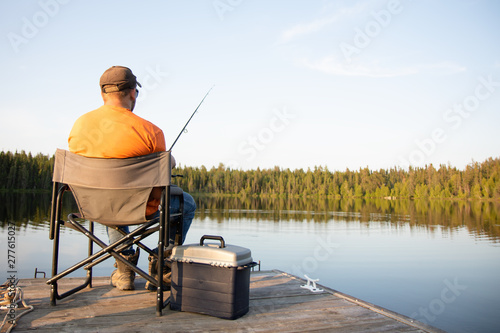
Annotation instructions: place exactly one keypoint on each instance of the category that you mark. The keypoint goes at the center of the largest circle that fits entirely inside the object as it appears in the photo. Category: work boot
(123, 277)
(153, 271)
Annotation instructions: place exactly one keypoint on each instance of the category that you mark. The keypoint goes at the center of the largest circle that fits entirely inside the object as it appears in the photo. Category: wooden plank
(277, 303)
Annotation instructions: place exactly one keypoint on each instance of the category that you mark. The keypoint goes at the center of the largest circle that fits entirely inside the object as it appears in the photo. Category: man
(114, 131)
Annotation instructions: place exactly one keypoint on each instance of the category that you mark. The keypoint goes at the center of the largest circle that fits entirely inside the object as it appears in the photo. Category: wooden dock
(277, 304)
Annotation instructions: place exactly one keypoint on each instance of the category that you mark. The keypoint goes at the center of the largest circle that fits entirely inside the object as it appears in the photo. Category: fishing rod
(184, 128)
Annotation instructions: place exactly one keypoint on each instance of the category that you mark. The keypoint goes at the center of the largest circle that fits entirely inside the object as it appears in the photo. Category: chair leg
(91, 243)
(89, 260)
(105, 249)
(54, 293)
(164, 210)
(55, 257)
(55, 227)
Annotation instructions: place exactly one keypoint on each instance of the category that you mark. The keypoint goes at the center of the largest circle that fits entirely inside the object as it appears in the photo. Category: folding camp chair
(113, 192)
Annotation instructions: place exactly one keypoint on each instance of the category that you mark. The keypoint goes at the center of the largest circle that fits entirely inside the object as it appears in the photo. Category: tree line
(477, 181)
(23, 171)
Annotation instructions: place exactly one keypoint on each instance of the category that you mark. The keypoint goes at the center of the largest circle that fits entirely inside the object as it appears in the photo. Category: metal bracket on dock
(38, 272)
(311, 285)
(256, 264)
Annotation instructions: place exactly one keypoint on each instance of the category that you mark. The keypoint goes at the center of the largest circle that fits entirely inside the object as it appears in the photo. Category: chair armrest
(175, 190)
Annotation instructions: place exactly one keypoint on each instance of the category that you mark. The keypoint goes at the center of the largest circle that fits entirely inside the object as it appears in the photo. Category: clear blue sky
(298, 84)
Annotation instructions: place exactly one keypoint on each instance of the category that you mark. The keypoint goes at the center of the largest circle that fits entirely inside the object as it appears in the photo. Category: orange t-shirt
(115, 132)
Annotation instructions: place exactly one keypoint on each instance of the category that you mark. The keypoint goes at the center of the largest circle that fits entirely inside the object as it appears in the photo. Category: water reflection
(396, 254)
(31, 209)
(480, 217)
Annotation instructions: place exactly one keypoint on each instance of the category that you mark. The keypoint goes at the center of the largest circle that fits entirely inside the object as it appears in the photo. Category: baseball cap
(118, 78)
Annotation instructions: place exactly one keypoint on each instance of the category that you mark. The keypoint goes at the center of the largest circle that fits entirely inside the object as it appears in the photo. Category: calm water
(436, 261)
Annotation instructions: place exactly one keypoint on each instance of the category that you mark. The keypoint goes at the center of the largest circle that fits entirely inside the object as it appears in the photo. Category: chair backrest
(112, 191)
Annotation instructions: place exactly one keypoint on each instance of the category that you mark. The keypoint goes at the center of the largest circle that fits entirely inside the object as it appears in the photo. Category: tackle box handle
(219, 238)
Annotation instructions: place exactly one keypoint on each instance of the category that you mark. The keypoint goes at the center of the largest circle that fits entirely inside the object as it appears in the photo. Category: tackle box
(211, 278)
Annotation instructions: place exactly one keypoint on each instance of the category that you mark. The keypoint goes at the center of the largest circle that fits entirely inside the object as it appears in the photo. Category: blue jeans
(189, 209)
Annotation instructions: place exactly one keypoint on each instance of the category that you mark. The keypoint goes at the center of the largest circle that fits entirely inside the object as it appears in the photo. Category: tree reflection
(30, 208)
(480, 217)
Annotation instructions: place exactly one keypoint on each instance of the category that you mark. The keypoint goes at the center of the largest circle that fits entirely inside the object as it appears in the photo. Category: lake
(435, 261)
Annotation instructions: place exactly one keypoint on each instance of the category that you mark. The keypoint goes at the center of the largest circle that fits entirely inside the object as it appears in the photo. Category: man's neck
(118, 103)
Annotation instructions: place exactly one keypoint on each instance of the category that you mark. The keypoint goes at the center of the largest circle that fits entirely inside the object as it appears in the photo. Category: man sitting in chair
(114, 131)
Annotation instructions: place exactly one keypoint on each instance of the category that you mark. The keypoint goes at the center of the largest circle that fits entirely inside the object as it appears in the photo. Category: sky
(296, 84)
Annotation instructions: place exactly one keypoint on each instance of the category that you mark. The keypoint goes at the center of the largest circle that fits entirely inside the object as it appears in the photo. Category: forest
(21, 171)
